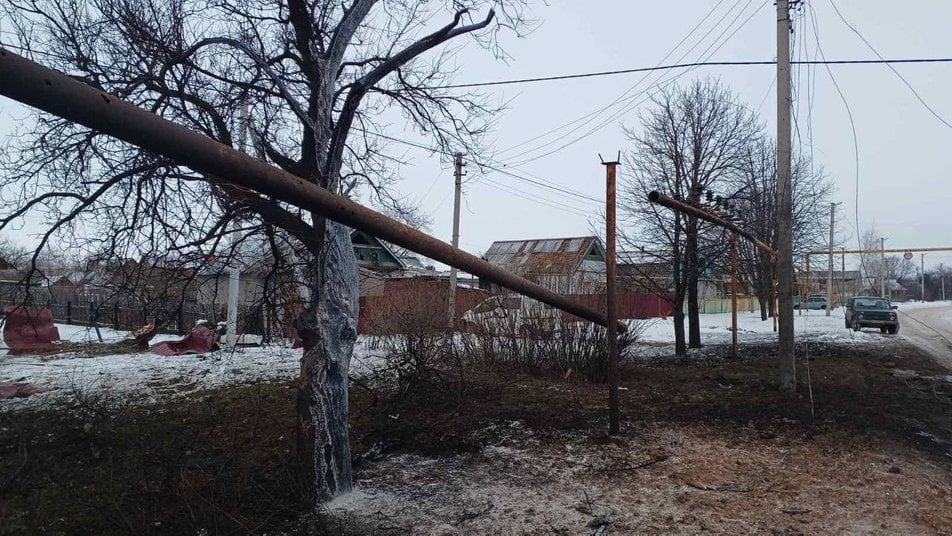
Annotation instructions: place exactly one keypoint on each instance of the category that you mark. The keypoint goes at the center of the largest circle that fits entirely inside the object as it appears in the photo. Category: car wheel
(822, 307)
(856, 326)
(894, 329)
(883, 330)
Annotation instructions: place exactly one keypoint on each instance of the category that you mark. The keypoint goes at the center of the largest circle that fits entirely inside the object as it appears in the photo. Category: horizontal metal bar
(877, 250)
(51, 91)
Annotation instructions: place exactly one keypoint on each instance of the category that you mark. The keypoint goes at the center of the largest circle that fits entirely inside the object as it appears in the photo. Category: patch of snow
(809, 325)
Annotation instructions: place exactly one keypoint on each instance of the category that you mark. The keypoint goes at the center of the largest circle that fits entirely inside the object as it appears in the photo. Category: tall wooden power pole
(788, 373)
(458, 178)
(610, 298)
(829, 276)
(922, 265)
(882, 267)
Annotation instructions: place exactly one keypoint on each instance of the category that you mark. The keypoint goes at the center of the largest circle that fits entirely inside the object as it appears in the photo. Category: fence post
(115, 316)
(69, 312)
(93, 314)
(180, 322)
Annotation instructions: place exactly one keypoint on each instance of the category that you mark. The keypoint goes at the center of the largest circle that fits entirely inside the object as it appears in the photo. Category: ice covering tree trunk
(328, 331)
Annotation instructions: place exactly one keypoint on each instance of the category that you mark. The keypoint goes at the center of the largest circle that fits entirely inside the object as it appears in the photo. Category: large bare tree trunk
(329, 330)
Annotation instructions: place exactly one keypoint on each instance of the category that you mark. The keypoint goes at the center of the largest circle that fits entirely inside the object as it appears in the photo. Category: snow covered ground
(142, 377)
(811, 326)
(146, 376)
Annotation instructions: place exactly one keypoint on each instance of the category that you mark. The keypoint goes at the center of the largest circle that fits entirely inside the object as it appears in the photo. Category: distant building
(574, 265)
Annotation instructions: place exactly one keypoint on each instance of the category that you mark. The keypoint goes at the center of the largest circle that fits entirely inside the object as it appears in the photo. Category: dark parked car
(871, 312)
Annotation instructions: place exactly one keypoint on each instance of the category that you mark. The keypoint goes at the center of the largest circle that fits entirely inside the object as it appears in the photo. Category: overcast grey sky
(904, 160)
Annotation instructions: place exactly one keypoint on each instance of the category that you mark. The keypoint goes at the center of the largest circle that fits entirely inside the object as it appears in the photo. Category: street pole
(458, 178)
(922, 268)
(784, 203)
(942, 278)
(610, 298)
(234, 272)
(733, 295)
(829, 275)
(882, 267)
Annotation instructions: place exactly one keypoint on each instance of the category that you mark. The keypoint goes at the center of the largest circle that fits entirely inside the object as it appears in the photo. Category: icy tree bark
(329, 331)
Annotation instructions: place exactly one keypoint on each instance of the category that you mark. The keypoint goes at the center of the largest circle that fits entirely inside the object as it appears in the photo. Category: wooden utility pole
(942, 279)
(829, 276)
(788, 373)
(458, 178)
(733, 294)
(922, 269)
(611, 313)
(882, 267)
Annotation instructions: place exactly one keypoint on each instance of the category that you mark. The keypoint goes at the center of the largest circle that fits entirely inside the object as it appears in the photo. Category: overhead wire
(644, 94)
(893, 69)
(657, 86)
(621, 97)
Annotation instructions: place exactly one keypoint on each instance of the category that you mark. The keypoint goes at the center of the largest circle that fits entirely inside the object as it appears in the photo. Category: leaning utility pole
(788, 373)
(829, 275)
(611, 278)
(458, 176)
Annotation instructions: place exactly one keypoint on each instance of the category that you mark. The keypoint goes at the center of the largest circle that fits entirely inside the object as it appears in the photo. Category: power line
(562, 190)
(661, 83)
(622, 97)
(893, 69)
(887, 61)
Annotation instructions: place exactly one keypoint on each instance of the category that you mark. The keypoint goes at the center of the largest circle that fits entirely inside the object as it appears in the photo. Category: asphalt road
(929, 328)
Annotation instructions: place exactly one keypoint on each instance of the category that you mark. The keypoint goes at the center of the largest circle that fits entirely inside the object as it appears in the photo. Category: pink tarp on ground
(29, 329)
(200, 341)
(17, 390)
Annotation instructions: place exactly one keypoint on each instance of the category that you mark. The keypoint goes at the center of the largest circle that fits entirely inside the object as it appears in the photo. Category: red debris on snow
(17, 390)
(201, 340)
(29, 329)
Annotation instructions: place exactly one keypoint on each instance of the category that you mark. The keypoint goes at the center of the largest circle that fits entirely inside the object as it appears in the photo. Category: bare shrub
(415, 341)
(527, 336)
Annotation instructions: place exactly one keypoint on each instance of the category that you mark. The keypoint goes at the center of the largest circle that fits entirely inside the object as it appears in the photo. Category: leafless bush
(537, 339)
(417, 347)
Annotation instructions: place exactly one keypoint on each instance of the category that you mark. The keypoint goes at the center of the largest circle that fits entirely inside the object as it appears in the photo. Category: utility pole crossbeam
(458, 179)
(784, 203)
(53, 92)
(611, 278)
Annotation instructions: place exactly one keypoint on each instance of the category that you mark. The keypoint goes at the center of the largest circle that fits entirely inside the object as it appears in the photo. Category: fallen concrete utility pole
(687, 208)
(717, 218)
(51, 91)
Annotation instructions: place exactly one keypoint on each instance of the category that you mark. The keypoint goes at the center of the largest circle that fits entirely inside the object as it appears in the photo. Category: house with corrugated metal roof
(574, 265)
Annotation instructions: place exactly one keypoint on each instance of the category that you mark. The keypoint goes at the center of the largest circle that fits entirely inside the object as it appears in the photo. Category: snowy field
(810, 326)
(142, 377)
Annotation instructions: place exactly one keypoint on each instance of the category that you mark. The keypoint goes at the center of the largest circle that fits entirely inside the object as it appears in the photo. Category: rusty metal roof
(550, 256)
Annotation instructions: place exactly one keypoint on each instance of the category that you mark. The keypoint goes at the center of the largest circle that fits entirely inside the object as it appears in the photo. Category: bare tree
(319, 79)
(693, 139)
(753, 198)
